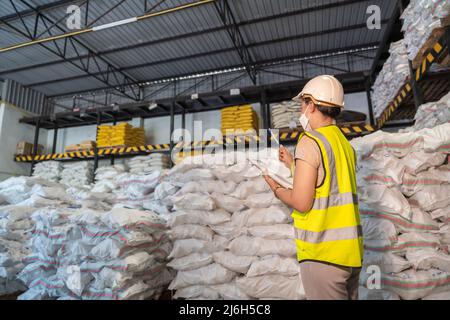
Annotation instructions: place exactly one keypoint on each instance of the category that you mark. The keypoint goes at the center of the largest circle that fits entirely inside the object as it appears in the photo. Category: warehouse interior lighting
(114, 24)
(235, 92)
(152, 106)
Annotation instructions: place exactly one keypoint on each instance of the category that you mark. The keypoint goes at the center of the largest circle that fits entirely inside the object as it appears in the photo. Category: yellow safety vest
(331, 231)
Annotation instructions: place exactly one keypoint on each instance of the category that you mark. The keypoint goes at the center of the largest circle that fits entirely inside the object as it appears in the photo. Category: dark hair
(332, 112)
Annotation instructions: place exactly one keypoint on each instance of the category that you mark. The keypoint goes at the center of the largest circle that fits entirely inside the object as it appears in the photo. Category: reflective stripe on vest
(334, 200)
(329, 235)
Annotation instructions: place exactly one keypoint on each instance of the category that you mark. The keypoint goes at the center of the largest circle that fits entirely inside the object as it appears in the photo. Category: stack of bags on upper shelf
(286, 115)
(391, 78)
(431, 114)
(77, 174)
(122, 134)
(148, 164)
(87, 254)
(420, 18)
(239, 120)
(232, 238)
(404, 183)
(49, 170)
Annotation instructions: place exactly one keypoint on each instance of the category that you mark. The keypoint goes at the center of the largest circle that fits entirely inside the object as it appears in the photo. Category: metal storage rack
(179, 106)
(423, 85)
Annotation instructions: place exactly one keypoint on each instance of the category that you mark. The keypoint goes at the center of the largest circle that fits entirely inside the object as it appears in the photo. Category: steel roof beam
(124, 84)
(204, 54)
(195, 34)
(229, 21)
(45, 7)
(260, 63)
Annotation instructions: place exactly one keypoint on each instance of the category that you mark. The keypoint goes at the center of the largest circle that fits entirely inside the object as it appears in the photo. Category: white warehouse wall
(11, 132)
(157, 129)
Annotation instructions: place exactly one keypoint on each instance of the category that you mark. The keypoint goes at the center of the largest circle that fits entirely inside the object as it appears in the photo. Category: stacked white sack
(87, 254)
(404, 182)
(106, 178)
(14, 224)
(391, 77)
(135, 189)
(232, 238)
(148, 164)
(420, 18)
(84, 197)
(49, 170)
(431, 114)
(78, 174)
(285, 115)
(22, 196)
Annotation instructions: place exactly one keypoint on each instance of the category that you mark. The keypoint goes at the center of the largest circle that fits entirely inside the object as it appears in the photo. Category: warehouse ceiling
(268, 41)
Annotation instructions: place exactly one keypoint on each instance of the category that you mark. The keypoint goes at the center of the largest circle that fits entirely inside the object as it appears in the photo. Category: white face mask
(304, 121)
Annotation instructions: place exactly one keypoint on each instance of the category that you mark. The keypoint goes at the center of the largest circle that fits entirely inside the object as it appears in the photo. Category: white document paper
(285, 183)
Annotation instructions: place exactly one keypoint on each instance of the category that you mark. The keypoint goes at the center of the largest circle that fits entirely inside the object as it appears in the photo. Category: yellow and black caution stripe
(433, 54)
(247, 139)
(404, 91)
(189, 148)
(357, 130)
(116, 151)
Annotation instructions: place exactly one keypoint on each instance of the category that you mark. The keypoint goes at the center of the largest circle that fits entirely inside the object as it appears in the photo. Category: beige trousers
(323, 281)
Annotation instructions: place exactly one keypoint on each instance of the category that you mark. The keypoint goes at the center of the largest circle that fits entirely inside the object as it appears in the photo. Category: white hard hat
(324, 91)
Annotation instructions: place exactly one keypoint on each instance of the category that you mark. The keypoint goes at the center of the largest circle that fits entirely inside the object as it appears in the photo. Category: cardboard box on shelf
(24, 148)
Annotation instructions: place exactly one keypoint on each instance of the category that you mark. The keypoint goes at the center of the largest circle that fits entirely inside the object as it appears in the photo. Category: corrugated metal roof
(158, 47)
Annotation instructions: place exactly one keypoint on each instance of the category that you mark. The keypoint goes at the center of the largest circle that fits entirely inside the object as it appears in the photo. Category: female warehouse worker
(324, 196)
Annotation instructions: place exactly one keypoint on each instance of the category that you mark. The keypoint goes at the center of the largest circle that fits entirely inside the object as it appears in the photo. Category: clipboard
(280, 180)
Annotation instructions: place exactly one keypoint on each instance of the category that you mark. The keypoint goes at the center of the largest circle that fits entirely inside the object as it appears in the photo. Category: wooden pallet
(428, 45)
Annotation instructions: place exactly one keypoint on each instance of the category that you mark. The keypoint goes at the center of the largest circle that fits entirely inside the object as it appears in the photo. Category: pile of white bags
(431, 114)
(49, 170)
(87, 254)
(135, 189)
(286, 115)
(232, 238)
(15, 223)
(78, 174)
(420, 18)
(148, 164)
(34, 192)
(391, 78)
(404, 183)
(21, 197)
(106, 178)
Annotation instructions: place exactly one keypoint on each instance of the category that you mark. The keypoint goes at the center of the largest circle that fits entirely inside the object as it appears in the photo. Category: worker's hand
(272, 183)
(286, 157)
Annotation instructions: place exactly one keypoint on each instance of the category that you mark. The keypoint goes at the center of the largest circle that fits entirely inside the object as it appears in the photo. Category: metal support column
(369, 100)
(417, 92)
(264, 111)
(112, 156)
(183, 123)
(35, 145)
(172, 127)
(95, 147)
(55, 137)
(447, 39)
